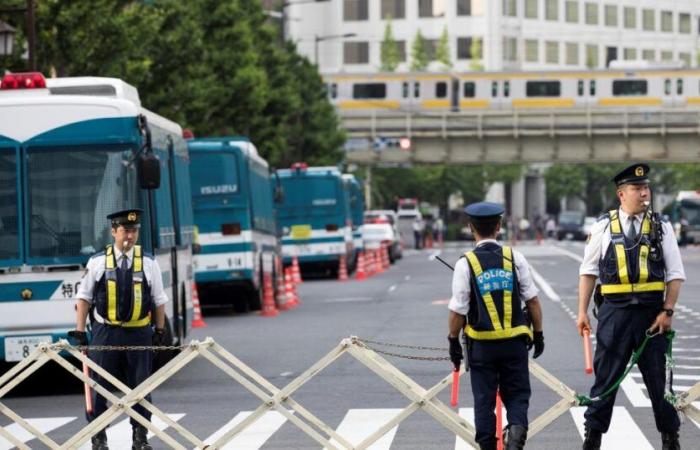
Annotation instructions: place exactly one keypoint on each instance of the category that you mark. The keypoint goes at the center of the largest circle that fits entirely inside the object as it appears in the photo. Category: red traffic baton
(587, 353)
(499, 421)
(88, 391)
(455, 388)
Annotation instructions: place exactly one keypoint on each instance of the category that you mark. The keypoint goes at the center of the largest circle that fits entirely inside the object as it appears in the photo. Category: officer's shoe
(491, 445)
(516, 435)
(592, 439)
(139, 441)
(669, 441)
(99, 441)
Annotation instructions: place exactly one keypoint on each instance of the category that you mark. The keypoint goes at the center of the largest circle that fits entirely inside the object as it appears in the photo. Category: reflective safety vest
(495, 309)
(626, 269)
(110, 296)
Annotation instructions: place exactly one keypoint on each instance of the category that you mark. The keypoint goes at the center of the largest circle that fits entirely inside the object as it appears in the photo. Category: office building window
(551, 52)
(684, 23)
(510, 49)
(591, 14)
(648, 20)
(649, 55)
(464, 7)
(667, 55)
(592, 56)
(431, 8)
(571, 11)
(667, 21)
(510, 8)
(464, 48)
(630, 17)
(551, 9)
(572, 53)
(532, 50)
(629, 54)
(356, 52)
(610, 15)
(393, 9)
(531, 9)
(355, 10)
(685, 57)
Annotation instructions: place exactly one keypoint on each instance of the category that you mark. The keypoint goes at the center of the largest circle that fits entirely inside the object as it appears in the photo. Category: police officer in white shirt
(122, 292)
(635, 255)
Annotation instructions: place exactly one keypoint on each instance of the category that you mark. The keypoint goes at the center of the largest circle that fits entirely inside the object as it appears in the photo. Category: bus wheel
(255, 297)
(163, 356)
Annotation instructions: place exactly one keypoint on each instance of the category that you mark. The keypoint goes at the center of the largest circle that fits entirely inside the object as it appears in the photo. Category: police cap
(128, 218)
(484, 209)
(634, 174)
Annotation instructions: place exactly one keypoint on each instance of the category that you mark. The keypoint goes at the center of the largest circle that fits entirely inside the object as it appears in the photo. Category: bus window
(9, 229)
(591, 88)
(506, 88)
(469, 89)
(544, 88)
(369, 90)
(667, 87)
(441, 89)
(629, 87)
(580, 88)
(494, 89)
(416, 89)
(679, 86)
(404, 89)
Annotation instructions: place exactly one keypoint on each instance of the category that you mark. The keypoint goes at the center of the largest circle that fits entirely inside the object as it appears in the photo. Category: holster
(466, 350)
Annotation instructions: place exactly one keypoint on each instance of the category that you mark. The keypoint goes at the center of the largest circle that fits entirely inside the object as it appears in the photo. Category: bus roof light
(187, 133)
(300, 166)
(26, 80)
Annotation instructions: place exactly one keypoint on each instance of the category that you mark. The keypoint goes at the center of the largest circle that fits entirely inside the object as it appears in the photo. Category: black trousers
(130, 367)
(501, 365)
(620, 331)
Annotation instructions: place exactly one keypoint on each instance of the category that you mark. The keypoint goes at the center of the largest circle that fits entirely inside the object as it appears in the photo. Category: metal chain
(121, 348)
(364, 342)
(413, 347)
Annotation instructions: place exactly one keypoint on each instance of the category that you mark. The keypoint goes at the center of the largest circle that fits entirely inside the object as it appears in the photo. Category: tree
(419, 55)
(390, 56)
(442, 53)
(476, 49)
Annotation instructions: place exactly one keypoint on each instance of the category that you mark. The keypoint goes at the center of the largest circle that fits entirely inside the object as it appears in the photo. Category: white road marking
(360, 423)
(571, 255)
(545, 286)
(623, 432)
(685, 336)
(392, 288)
(44, 425)
(676, 376)
(686, 358)
(468, 415)
(407, 277)
(119, 435)
(253, 437)
(635, 393)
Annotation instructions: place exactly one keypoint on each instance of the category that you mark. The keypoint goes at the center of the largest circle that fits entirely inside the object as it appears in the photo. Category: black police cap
(128, 218)
(484, 209)
(634, 174)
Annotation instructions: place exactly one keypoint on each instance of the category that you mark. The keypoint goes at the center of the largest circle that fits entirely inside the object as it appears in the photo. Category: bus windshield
(9, 230)
(214, 173)
(71, 191)
(315, 196)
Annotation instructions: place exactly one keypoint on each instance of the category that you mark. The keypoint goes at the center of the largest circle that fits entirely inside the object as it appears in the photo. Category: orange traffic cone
(268, 307)
(290, 290)
(378, 263)
(197, 320)
(296, 271)
(281, 295)
(361, 273)
(342, 269)
(385, 257)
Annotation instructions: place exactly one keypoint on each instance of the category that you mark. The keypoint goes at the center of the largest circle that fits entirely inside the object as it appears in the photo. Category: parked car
(571, 225)
(381, 228)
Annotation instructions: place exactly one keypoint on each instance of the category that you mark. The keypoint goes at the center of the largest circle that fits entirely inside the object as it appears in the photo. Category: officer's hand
(455, 351)
(583, 323)
(159, 337)
(80, 337)
(661, 324)
(538, 342)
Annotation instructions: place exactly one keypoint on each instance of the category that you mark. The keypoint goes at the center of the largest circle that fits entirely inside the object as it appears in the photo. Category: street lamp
(7, 38)
(318, 39)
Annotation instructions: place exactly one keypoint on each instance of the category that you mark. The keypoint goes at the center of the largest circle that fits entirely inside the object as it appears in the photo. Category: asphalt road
(404, 305)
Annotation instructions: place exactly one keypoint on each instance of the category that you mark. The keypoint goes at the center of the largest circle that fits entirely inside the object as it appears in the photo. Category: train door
(586, 92)
(500, 94)
(673, 91)
(455, 94)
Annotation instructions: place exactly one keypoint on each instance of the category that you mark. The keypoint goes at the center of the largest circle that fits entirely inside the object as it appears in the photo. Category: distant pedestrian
(551, 227)
(418, 227)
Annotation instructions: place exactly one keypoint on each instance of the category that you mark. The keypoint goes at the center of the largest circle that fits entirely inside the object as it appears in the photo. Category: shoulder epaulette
(603, 216)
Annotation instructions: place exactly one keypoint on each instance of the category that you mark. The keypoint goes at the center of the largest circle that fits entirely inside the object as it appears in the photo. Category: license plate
(301, 231)
(18, 348)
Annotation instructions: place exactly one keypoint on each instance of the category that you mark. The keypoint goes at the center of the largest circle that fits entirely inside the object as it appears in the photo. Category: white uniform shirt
(96, 269)
(600, 239)
(459, 302)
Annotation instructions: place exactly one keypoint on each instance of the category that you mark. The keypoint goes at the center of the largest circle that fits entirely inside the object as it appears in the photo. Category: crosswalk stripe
(253, 437)
(119, 435)
(468, 415)
(676, 376)
(623, 432)
(360, 423)
(635, 394)
(44, 425)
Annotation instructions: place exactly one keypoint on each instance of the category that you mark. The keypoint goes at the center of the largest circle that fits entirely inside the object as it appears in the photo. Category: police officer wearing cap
(489, 286)
(635, 256)
(122, 292)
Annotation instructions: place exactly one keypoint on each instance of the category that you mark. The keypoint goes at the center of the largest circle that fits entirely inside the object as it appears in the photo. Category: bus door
(179, 307)
(10, 226)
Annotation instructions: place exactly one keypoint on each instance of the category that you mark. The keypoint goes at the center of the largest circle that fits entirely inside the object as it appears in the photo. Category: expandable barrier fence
(272, 398)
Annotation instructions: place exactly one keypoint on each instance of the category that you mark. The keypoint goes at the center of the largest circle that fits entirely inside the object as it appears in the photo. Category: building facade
(346, 35)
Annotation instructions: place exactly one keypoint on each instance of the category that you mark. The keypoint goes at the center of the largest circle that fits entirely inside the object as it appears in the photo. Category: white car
(380, 228)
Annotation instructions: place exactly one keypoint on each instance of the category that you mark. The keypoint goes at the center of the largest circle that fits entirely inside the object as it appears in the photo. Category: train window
(591, 88)
(334, 90)
(629, 87)
(543, 88)
(667, 87)
(404, 89)
(679, 86)
(441, 89)
(506, 88)
(416, 89)
(580, 88)
(469, 89)
(369, 90)
(494, 89)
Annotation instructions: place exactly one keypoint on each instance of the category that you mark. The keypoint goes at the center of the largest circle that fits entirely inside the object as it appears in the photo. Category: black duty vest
(125, 304)
(626, 272)
(495, 308)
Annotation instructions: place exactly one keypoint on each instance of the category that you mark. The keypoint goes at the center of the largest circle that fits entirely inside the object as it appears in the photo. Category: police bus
(684, 212)
(314, 217)
(357, 209)
(73, 150)
(234, 214)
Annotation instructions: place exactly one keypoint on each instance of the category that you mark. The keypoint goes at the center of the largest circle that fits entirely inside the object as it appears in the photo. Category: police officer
(122, 291)
(636, 258)
(488, 288)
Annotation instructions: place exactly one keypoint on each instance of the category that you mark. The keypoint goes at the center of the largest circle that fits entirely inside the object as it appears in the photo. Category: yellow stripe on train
(635, 101)
(543, 103)
(369, 104)
(435, 104)
(474, 103)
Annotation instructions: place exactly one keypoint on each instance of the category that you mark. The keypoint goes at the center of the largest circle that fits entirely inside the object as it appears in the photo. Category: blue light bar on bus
(25, 80)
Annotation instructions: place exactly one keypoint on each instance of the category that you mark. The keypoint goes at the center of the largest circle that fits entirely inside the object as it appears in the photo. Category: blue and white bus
(72, 150)
(357, 210)
(232, 199)
(314, 217)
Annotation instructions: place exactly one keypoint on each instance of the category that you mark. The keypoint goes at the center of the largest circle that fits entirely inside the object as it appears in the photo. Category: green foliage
(442, 54)
(389, 51)
(476, 52)
(419, 54)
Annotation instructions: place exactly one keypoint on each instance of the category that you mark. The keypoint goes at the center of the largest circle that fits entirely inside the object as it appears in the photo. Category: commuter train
(669, 87)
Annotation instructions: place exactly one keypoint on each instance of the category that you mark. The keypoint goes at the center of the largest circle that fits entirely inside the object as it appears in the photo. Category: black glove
(80, 337)
(455, 351)
(159, 337)
(538, 342)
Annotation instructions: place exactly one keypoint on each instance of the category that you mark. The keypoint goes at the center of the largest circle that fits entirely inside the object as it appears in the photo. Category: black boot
(139, 439)
(516, 435)
(99, 441)
(488, 446)
(669, 441)
(592, 439)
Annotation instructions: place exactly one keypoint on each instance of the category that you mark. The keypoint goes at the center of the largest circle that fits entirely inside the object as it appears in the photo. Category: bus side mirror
(149, 171)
